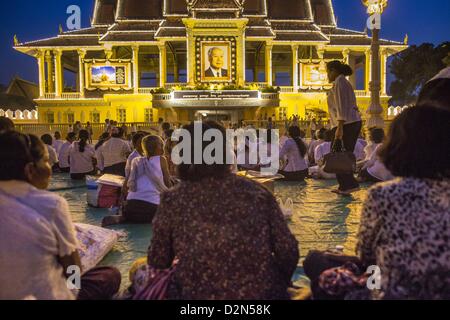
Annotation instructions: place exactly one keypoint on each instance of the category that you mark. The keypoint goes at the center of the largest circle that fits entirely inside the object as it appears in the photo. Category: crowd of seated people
(223, 235)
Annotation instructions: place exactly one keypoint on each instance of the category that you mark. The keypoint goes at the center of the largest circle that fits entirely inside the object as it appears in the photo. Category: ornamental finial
(375, 6)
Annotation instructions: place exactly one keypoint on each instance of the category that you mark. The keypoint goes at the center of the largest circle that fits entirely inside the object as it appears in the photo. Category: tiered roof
(128, 21)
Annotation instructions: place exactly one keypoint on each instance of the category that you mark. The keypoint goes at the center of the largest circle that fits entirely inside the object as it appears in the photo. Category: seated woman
(137, 152)
(373, 170)
(53, 156)
(294, 153)
(227, 232)
(405, 222)
(376, 138)
(82, 157)
(149, 177)
(321, 151)
(63, 155)
(320, 135)
(39, 243)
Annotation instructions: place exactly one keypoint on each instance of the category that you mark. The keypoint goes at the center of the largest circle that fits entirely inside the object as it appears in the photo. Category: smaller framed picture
(108, 75)
(313, 76)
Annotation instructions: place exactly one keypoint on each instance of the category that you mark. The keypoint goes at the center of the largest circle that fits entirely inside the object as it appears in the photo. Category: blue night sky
(422, 20)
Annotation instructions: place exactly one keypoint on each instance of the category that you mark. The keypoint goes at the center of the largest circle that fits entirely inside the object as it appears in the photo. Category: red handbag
(157, 285)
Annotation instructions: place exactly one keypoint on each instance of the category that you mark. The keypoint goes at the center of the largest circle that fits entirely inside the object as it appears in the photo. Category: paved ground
(322, 220)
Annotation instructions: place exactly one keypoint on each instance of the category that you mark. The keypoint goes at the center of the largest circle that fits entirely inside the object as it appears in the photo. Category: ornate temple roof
(104, 12)
(139, 10)
(130, 21)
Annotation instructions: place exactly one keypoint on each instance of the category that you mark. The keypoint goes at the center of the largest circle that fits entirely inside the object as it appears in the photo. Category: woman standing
(82, 157)
(345, 118)
(294, 152)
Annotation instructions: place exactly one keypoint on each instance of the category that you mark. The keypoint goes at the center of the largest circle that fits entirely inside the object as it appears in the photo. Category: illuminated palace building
(142, 60)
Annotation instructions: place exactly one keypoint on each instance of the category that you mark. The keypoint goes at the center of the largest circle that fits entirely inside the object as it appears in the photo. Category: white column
(383, 65)
(162, 64)
(50, 72)
(81, 56)
(295, 67)
(368, 72)
(135, 68)
(269, 48)
(41, 65)
(346, 55)
(58, 73)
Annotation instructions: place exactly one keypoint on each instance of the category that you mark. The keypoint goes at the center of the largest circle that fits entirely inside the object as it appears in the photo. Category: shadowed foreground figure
(229, 235)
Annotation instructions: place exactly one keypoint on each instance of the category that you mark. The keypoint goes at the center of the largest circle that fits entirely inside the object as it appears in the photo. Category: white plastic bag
(94, 244)
(287, 207)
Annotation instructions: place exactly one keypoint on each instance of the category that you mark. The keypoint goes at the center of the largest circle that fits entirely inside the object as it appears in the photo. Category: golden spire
(61, 31)
(375, 6)
(16, 41)
(405, 41)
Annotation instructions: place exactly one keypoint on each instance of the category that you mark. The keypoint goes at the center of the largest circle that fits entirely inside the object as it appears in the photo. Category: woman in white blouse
(294, 155)
(345, 118)
(82, 157)
(39, 241)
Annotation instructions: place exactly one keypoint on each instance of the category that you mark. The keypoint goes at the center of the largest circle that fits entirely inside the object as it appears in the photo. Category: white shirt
(216, 72)
(130, 159)
(53, 156)
(359, 151)
(312, 148)
(369, 150)
(376, 168)
(113, 151)
(57, 144)
(64, 155)
(36, 229)
(342, 104)
(291, 153)
(81, 162)
(146, 189)
(321, 151)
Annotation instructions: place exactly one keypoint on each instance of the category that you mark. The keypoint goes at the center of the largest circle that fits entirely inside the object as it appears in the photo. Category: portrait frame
(228, 46)
(92, 67)
(313, 76)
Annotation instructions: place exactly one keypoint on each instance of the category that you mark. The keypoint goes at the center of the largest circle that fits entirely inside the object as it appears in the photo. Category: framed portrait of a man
(216, 61)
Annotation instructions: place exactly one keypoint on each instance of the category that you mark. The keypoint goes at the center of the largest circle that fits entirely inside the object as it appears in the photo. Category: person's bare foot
(112, 220)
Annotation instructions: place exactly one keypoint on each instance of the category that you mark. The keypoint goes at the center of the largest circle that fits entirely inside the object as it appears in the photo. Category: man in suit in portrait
(216, 61)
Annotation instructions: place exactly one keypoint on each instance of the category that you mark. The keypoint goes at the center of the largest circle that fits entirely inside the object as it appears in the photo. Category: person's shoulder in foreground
(398, 188)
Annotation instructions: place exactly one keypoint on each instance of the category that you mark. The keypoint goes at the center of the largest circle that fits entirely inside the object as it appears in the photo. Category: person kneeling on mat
(149, 177)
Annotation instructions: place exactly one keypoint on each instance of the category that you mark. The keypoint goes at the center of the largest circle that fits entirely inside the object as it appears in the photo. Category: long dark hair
(196, 172)
(340, 67)
(18, 150)
(295, 133)
(83, 135)
(417, 145)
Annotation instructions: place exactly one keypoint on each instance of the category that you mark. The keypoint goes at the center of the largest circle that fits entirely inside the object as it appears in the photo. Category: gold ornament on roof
(405, 41)
(16, 41)
(375, 6)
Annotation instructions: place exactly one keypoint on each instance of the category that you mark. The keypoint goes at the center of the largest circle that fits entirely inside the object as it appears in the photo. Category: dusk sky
(422, 20)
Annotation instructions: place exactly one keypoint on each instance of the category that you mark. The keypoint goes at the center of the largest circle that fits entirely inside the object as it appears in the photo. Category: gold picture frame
(224, 60)
(108, 75)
